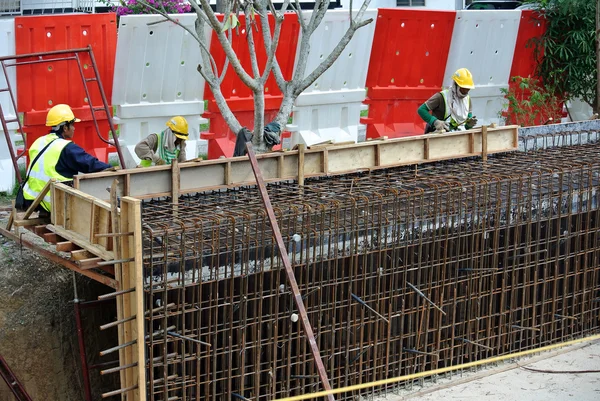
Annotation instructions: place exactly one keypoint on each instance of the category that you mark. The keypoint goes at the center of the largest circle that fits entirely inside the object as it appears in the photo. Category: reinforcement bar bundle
(401, 271)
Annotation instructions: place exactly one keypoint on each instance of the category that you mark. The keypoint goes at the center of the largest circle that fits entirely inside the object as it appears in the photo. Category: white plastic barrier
(330, 108)
(7, 48)
(484, 42)
(156, 79)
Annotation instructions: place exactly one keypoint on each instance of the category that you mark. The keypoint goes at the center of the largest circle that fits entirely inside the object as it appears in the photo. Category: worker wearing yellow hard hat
(450, 109)
(56, 156)
(163, 148)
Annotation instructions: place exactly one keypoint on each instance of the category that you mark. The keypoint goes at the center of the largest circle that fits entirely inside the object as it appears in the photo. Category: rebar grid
(401, 270)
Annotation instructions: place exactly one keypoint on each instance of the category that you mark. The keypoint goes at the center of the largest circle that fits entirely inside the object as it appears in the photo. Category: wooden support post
(301, 149)
(131, 249)
(12, 217)
(121, 334)
(175, 186)
(484, 143)
(38, 199)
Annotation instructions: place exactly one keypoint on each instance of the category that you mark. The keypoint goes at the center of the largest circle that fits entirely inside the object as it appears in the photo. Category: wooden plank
(11, 218)
(38, 199)
(333, 159)
(484, 143)
(301, 164)
(81, 254)
(132, 274)
(52, 238)
(40, 230)
(175, 184)
(31, 222)
(125, 375)
(82, 242)
(58, 259)
(66, 246)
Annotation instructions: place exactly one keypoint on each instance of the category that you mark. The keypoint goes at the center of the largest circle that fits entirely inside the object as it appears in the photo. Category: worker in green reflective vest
(161, 149)
(56, 156)
(450, 109)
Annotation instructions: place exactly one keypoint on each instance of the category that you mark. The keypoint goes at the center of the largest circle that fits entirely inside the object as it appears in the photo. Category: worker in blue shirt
(56, 156)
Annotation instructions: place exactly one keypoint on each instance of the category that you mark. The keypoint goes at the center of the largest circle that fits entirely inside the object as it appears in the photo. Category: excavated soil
(38, 336)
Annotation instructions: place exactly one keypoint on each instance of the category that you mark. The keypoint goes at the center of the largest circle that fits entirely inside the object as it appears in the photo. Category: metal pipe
(80, 336)
(288, 269)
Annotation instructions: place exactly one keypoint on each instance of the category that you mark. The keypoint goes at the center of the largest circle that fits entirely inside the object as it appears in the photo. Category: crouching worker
(161, 149)
(56, 156)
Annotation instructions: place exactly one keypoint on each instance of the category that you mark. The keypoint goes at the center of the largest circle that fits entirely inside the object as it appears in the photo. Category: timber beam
(197, 176)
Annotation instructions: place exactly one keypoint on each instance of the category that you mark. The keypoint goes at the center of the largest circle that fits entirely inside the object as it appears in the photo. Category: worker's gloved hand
(113, 168)
(441, 125)
(160, 162)
(471, 122)
(271, 134)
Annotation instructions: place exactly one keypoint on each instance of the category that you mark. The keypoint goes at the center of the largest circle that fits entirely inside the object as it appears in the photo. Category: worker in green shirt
(160, 149)
(451, 108)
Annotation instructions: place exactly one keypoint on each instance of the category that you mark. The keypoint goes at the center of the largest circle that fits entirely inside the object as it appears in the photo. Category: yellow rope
(437, 371)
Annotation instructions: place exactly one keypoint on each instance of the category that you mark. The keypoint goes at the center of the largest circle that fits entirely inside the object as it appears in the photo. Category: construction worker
(162, 148)
(56, 156)
(449, 109)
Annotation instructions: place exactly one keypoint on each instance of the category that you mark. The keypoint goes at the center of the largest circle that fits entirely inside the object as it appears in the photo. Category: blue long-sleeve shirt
(73, 159)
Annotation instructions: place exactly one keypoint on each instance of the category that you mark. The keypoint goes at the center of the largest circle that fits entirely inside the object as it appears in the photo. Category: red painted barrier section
(41, 86)
(238, 96)
(531, 27)
(407, 65)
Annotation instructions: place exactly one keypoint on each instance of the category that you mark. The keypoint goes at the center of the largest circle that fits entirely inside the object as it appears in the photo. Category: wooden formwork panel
(318, 161)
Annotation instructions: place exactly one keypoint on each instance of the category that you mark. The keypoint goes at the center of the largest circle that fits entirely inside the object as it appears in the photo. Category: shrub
(530, 103)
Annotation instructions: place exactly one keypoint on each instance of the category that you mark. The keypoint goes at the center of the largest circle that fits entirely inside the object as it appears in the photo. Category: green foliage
(567, 51)
(530, 103)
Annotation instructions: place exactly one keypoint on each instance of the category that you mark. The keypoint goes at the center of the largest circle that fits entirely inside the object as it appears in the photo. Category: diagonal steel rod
(288, 269)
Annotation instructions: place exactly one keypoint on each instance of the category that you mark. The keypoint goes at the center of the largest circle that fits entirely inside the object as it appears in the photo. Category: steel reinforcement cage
(401, 270)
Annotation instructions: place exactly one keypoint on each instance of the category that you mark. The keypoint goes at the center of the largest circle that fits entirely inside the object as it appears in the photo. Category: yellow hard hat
(179, 126)
(463, 78)
(61, 113)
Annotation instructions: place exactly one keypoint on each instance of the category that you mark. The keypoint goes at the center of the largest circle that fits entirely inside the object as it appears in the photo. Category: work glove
(113, 168)
(441, 126)
(271, 134)
(471, 122)
(160, 162)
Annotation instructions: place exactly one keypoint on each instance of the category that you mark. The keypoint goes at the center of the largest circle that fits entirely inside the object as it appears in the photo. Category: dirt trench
(38, 336)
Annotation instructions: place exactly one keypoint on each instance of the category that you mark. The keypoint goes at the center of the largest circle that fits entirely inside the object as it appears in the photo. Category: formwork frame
(106, 237)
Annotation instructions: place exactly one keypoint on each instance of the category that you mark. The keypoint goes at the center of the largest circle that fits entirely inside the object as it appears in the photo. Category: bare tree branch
(251, 45)
(226, 45)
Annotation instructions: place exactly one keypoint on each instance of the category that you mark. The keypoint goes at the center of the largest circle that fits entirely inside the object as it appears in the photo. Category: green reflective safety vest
(453, 123)
(163, 153)
(44, 168)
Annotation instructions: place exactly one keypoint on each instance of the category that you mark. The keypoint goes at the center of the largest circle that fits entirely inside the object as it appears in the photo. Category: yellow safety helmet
(463, 78)
(61, 113)
(179, 126)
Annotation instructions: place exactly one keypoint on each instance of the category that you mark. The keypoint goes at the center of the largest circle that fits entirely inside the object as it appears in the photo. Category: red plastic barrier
(407, 65)
(41, 86)
(531, 27)
(238, 96)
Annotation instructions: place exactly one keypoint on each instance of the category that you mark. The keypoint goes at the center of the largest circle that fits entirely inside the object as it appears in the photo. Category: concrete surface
(512, 382)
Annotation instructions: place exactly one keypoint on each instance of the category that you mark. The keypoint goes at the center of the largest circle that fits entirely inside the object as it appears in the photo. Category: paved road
(519, 384)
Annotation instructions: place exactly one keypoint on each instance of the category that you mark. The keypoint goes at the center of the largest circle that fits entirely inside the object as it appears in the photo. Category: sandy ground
(513, 382)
